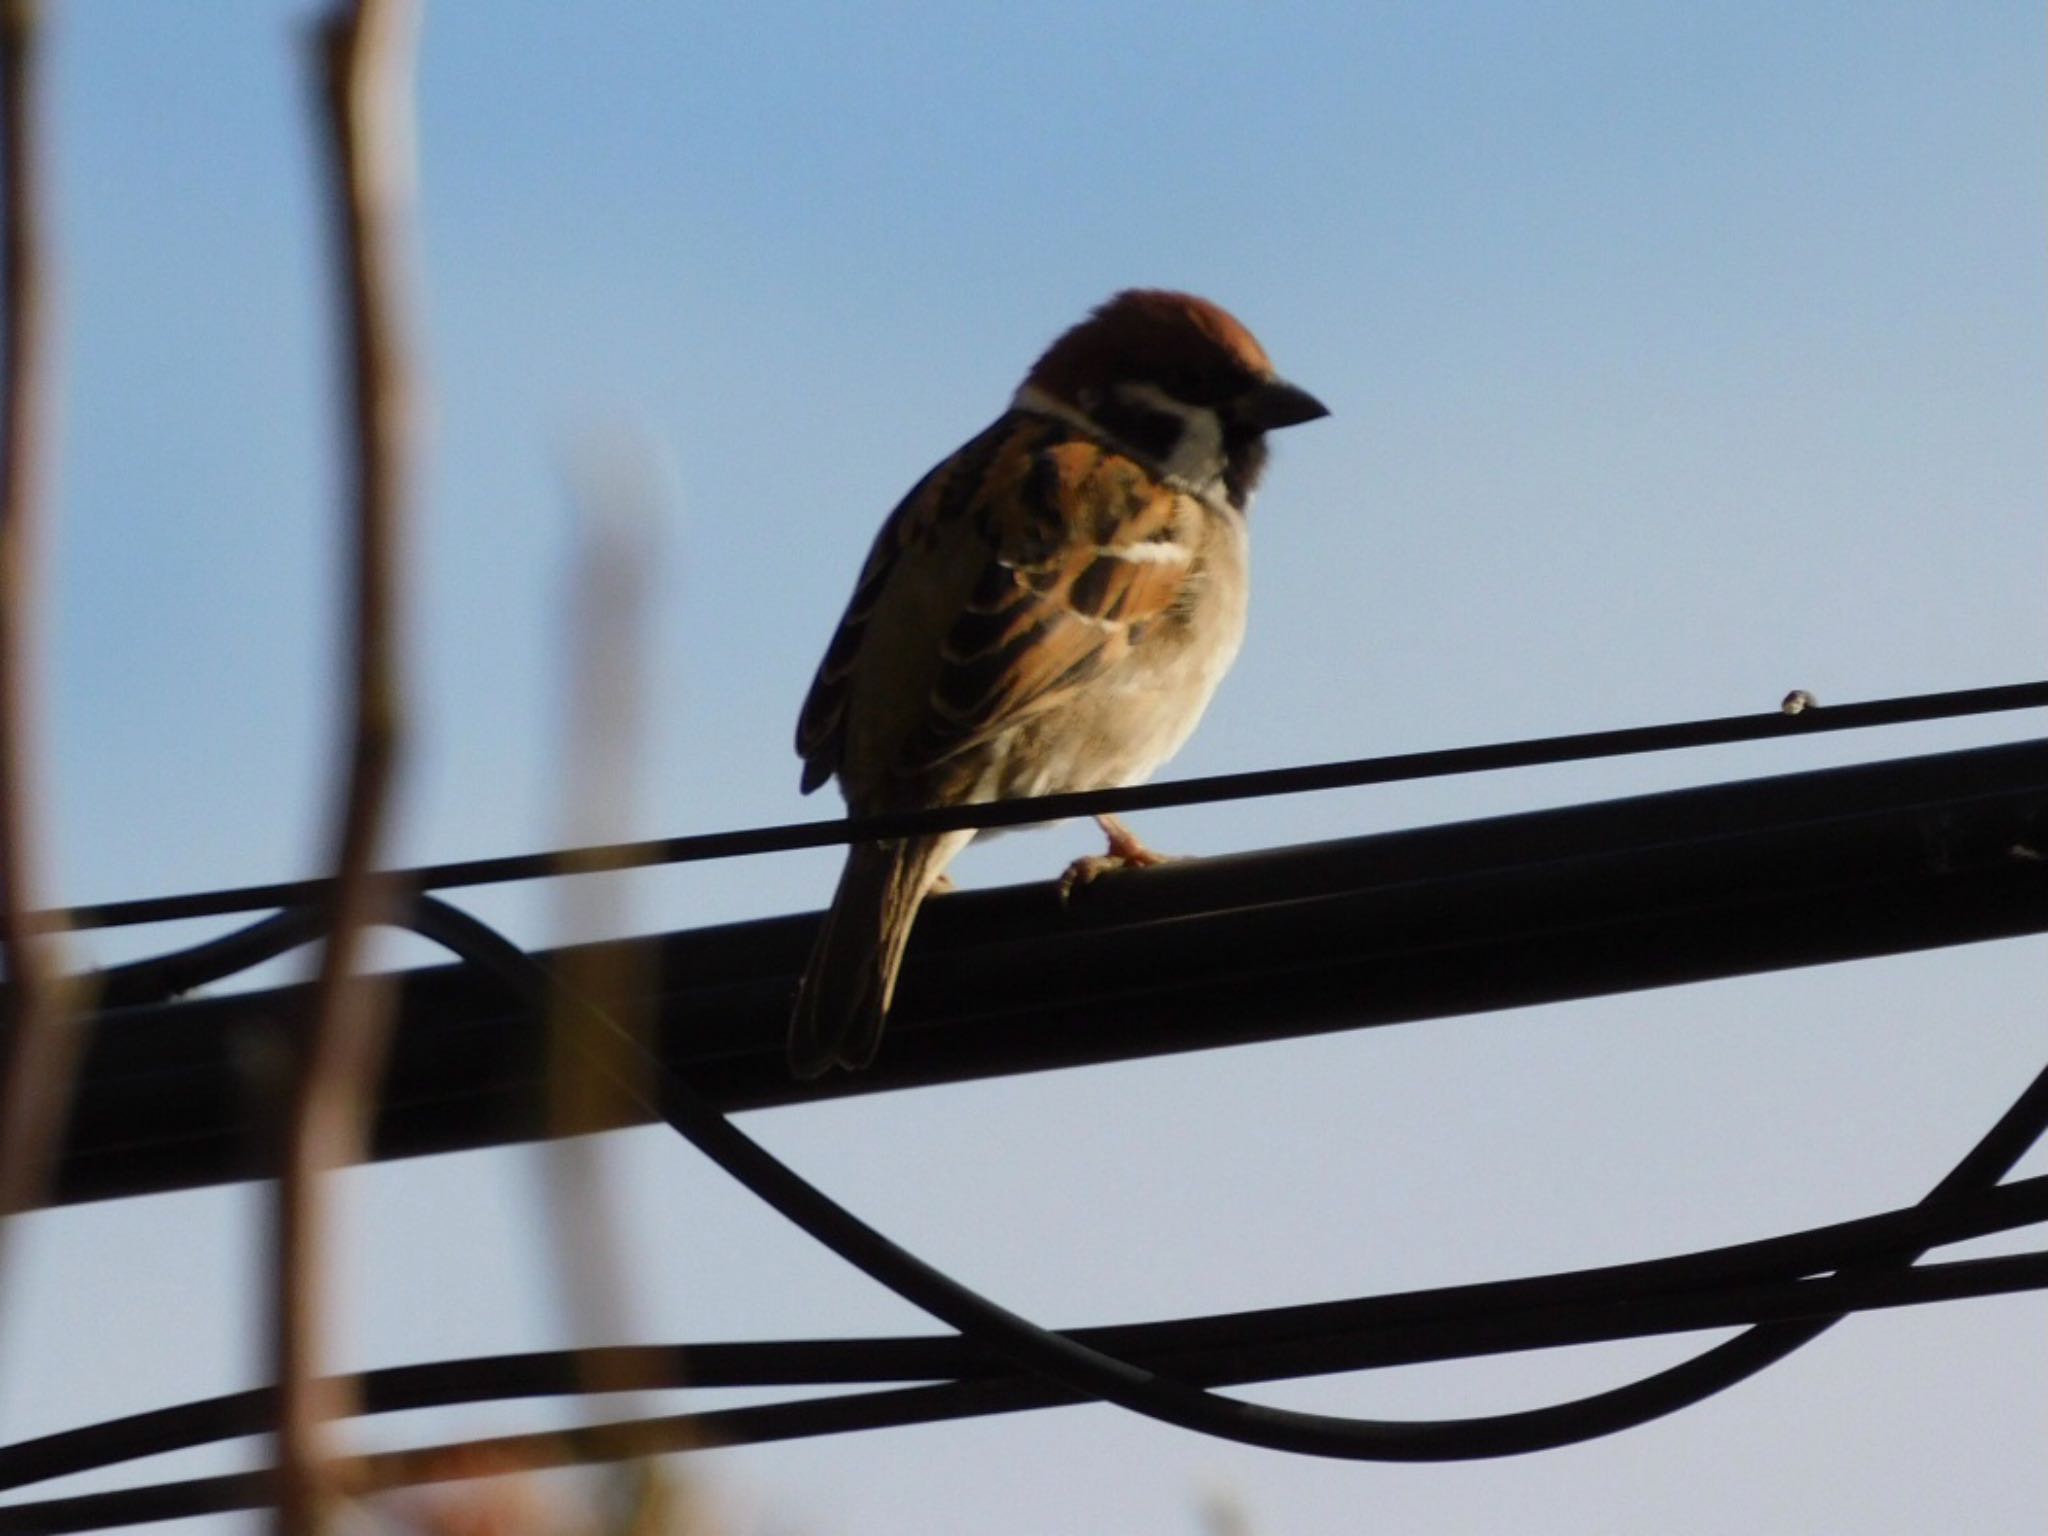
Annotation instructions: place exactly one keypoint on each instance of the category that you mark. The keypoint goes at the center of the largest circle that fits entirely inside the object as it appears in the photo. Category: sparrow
(1050, 609)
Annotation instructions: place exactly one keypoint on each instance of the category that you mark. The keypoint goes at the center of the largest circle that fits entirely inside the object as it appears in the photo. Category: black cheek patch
(1152, 433)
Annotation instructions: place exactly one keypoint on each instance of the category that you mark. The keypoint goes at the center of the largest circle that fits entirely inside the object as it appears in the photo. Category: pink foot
(1125, 852)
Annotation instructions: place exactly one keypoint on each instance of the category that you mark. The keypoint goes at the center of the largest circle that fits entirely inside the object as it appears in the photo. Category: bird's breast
(1133, 717)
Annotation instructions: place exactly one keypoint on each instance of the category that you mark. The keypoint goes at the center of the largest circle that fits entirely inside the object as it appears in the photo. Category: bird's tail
(852, 971)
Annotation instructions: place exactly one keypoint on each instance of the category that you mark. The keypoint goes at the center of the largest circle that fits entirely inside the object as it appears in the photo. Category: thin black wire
(1350, 774)
(1738, 1283)
(852, 1412)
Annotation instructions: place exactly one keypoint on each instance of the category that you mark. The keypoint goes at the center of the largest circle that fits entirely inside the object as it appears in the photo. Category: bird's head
(1177, 381)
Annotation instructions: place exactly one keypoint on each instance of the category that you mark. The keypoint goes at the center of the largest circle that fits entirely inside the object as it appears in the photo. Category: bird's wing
(1069, 551)
(941, 498)
(1082, 549)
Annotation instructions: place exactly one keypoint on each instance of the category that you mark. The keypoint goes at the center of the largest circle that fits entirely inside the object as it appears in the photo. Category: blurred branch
(40, 1049)
(593, 1079)
(366, 54)
(617, 509)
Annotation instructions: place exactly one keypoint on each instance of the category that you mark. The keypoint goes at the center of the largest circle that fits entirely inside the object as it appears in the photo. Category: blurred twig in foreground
(595, 1083)
(40, 1047)
(366, 58)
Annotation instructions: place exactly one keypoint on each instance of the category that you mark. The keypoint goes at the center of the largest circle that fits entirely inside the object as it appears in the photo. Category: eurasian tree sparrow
(1048, 610)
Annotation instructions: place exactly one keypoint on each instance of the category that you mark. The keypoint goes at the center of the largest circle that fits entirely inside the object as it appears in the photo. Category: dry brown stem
(366, 55)
(39, 1052)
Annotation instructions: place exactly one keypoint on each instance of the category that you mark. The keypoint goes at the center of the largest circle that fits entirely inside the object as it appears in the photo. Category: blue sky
(1677, 355)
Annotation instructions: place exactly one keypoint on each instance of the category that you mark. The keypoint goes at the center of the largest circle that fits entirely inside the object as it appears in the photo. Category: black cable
(1350, 774)
(894, 1407)
(138, 983)
(1727, 1288)
(1074, 1368)
(1097, 1374)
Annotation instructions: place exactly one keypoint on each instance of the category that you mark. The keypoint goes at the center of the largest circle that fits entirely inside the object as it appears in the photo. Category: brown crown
(1195, 350)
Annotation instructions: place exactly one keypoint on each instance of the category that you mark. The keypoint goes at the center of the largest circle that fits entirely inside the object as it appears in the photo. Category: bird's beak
(1278, 404)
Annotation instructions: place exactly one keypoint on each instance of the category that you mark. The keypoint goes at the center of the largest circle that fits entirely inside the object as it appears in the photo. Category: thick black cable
(1350, 774)
(1097, 1374)
(993, 1326)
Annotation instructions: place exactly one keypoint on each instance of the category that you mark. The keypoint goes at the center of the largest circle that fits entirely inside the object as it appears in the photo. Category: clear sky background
(1678, 356)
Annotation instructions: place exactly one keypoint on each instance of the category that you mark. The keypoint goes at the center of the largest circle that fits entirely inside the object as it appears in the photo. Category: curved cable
(1141, 1390)
(969, 1382)
(160, 978)
(1964, 1203)
(840, 1413)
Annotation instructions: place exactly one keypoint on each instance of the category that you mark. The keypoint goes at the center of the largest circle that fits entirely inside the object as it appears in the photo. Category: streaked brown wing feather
(945, 493)
(1082, 558)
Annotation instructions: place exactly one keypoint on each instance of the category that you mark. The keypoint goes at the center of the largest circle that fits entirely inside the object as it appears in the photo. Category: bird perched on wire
(1048, 610)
